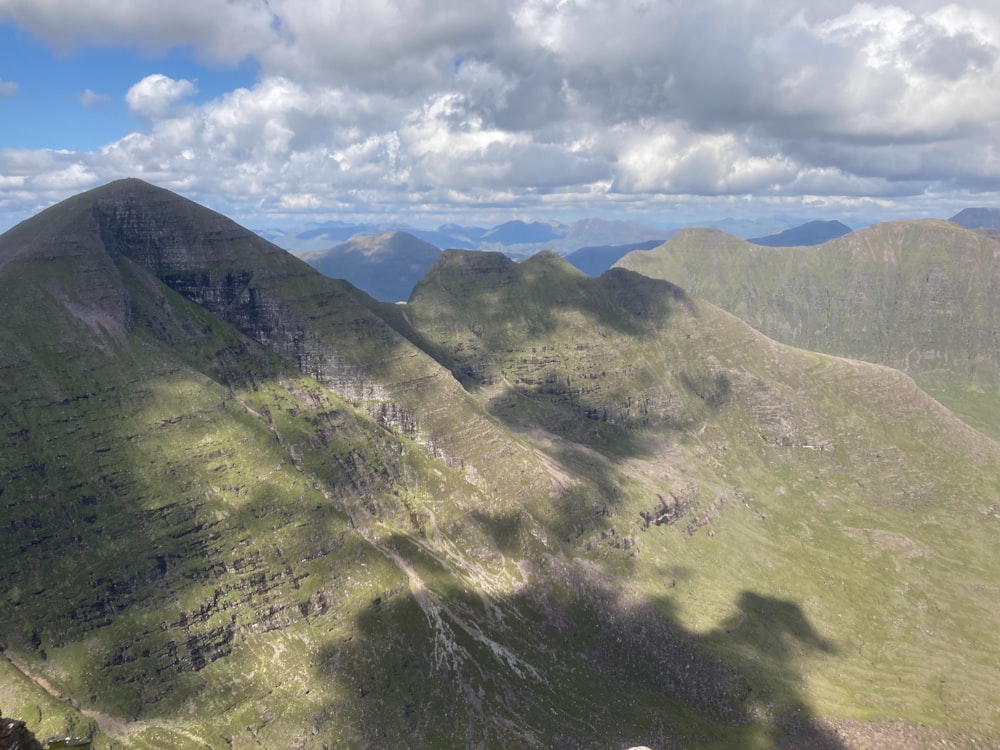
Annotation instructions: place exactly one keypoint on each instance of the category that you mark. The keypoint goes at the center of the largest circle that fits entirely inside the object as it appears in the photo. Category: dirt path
(116, 728)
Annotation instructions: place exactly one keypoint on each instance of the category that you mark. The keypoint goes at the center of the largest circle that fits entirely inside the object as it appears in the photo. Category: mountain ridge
(528, 507)
(976, 218)
(913, 294)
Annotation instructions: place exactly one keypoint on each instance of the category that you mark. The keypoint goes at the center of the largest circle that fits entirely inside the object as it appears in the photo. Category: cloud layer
(414, 107)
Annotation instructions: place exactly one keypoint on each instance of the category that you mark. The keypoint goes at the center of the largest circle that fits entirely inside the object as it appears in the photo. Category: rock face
(14, 735)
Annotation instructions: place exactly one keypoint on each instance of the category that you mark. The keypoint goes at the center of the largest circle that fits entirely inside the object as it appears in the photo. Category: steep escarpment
(323, 326)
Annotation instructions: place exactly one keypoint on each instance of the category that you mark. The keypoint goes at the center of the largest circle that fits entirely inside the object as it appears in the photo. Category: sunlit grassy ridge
(917, 295)
(249, 506)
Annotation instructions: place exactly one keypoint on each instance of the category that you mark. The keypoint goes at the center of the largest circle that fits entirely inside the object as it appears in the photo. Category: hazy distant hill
(918, 295)
(523, 233)
(978, 218)
(320, 237)
(451, 235)
(594, 261)
(810, 233)
(593, 232)
(246, 505)
(516, 238)
(759, 227)
(386, 266)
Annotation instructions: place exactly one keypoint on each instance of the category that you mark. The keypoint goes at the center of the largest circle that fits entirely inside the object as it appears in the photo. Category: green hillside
(917, 295)
(249, 506)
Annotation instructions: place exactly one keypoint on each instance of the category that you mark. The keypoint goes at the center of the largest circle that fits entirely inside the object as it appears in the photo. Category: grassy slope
(167, 513)
(843, 530)
(918, 295)
(214, 548)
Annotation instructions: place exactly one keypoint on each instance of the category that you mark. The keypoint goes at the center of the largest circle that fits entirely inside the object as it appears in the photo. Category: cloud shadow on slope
(438, 666)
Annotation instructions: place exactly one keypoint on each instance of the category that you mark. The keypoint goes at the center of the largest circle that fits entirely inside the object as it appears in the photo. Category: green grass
(919, 296)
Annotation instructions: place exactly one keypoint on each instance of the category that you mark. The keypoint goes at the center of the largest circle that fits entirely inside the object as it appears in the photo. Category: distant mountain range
(594, 261)
(388, 265)
(517, 239)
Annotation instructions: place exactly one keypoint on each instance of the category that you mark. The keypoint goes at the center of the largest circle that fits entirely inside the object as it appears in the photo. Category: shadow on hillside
(573, 661)
(489, 307)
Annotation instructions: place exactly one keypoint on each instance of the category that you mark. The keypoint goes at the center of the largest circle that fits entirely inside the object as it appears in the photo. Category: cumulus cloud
(396, 103)
(219, 30)
(155, 95)
(7, 88)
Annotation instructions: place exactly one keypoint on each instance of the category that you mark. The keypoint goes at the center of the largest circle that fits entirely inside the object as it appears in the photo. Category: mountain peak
(810, 233)
(452, 265)
(386, 266)
(978, 218)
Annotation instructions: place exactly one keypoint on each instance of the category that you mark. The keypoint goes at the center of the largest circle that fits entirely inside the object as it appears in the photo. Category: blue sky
(52, 110)
(433, 111)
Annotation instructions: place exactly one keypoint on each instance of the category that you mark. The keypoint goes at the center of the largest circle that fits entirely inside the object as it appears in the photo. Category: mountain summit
(978, 218)
(810, 233)
(386, 266)
(246, 505)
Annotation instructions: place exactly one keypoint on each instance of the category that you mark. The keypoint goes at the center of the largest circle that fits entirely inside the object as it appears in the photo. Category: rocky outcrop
(14, 735)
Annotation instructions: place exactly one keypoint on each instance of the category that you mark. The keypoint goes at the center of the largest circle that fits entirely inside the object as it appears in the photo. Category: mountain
(450, 235)
(247, 505)
(318, 237)
(978, 218)
(594, 261)
(517, 238)
(917, 295)
(587, 232)
(759, 227)
(810, 233)
(523, 233)
(386, 266)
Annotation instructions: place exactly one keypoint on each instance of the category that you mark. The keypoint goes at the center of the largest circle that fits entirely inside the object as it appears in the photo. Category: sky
(669, 112)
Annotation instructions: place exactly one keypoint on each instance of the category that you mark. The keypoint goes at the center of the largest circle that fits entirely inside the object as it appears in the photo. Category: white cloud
(155, 95)
(300, 201)
(88, 98)
(7, 88)
(219, 30)
(379, 105)
(75, 176)
(399, 45)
